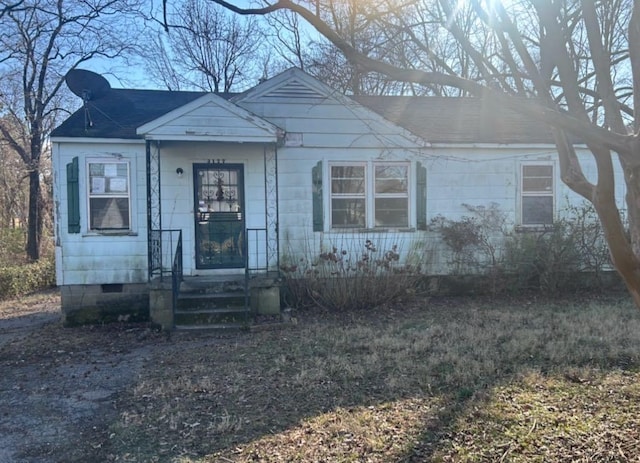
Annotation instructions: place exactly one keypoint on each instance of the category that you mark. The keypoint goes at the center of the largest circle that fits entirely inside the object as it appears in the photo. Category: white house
(290, 165)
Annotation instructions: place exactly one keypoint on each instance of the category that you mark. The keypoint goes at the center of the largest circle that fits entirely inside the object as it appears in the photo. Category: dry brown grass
(442, 380)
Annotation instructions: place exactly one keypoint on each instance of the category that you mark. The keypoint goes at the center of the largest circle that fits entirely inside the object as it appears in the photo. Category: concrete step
(212, 317)
(214, 327)
(197, 301)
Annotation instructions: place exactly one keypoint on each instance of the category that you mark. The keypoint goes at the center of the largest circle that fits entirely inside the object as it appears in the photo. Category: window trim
(551, 194)
(370, 196)
(89, 196)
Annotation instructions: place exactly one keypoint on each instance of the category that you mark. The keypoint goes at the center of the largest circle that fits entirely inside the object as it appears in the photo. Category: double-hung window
(537, 194)
(109, 195)
(369, 195)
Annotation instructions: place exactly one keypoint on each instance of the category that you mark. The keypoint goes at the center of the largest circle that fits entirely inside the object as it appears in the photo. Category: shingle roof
(458, 120)
(435, 119)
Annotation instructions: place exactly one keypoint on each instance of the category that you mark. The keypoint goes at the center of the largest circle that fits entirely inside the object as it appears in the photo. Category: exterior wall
(474, 176)
(90, 258)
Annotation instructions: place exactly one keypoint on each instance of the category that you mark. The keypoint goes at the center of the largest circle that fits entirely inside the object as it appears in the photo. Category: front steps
(225, 302)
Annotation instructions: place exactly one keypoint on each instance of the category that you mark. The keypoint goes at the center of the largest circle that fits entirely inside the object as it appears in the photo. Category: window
(391, 195)
(348, 196)
(368, 195)
(537, 195)
(109, 204)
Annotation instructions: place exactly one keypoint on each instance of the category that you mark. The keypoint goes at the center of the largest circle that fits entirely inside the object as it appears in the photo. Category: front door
(219, 215)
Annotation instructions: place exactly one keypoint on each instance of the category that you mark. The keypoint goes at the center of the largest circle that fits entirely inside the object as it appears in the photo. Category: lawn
(464, 380)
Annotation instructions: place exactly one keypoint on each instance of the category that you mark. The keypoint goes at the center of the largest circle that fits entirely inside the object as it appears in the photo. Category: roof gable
(294, 98)
(210, 118)
(292, 84)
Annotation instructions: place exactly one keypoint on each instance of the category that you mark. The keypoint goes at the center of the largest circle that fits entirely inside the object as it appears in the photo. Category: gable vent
(294, 89)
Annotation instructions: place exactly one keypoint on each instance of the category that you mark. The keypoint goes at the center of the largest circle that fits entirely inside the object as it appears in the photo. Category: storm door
(219, 215)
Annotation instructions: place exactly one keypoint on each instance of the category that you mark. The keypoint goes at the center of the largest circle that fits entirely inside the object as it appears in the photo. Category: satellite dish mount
(90, 87)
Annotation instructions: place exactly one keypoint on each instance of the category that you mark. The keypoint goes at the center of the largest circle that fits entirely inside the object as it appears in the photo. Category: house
(204, 184)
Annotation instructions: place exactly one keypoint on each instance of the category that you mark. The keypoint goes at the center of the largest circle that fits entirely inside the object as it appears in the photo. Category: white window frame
(90, 194)
(370, 196)
(537, 193)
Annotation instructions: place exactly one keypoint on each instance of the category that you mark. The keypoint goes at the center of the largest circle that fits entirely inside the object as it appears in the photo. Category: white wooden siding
(94, 258)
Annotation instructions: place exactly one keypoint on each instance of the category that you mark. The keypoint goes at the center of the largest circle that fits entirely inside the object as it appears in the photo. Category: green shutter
(421, 196)
(73, 197)
(316, 177)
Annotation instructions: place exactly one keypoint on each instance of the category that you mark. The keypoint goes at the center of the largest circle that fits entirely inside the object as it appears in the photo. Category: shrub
(23, 279)
(462, 237)
(350, 277)
(545, 260)
(12, 244)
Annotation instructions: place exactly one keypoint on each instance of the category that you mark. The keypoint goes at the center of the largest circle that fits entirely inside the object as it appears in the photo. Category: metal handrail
(165, 259)
(161, 251)
(259, 261)
(176, 273)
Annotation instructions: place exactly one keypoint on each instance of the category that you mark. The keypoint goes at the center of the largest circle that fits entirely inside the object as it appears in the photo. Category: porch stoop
(223, 302)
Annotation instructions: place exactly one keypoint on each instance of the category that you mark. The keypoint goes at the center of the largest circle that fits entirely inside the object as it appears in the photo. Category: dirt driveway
(58, 385)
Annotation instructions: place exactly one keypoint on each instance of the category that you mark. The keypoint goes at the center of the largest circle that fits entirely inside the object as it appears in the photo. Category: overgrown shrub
(12, 244)
(560, 257)
(549, 259)
(351, 277)
(584, 226)
(545, 260)
(23, 279)
(475, 242)
(462, 237)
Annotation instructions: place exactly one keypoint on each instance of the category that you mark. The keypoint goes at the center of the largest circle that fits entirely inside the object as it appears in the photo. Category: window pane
(347, 179)
(348, 212)
(391, 179)
(109, 179)
(537, 210)
(109, 213)
(537, 178)
(537, 184)
(392, 212)
(537, 171)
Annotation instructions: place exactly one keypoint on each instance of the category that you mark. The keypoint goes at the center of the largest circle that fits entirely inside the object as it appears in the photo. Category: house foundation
(89, 304)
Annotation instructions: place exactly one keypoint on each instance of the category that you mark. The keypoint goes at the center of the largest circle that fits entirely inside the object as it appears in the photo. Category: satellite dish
(89, 86)
(86, 84)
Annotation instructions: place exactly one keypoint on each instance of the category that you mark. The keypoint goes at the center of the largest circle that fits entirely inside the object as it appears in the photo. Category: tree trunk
(34, 229)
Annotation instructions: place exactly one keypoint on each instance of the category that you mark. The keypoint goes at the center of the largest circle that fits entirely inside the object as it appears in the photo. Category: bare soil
(58, 385)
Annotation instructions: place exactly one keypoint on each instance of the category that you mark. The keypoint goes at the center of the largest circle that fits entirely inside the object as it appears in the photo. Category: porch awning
(211, 118)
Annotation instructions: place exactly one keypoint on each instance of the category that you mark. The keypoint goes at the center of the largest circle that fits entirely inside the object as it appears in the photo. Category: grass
(439, 380)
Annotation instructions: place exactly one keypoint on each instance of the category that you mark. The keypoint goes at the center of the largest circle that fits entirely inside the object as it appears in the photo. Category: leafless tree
(207, 48)
(40, 40)
(576, 61)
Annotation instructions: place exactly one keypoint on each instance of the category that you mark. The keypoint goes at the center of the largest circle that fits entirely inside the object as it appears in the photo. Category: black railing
(165, 259)
(163, 247)
(256, 259)
(256, 250)
(176, 272)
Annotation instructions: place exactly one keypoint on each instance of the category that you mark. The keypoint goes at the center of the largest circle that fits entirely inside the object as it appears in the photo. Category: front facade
(287, 169)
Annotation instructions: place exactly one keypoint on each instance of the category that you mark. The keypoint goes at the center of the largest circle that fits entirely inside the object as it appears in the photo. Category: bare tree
(577, 61)
(207, 48)
(40, 40)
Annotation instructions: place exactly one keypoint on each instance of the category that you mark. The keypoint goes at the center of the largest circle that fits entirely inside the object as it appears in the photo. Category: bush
(12, 244)
(348, 278)
(546, 260)
(18, 280)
